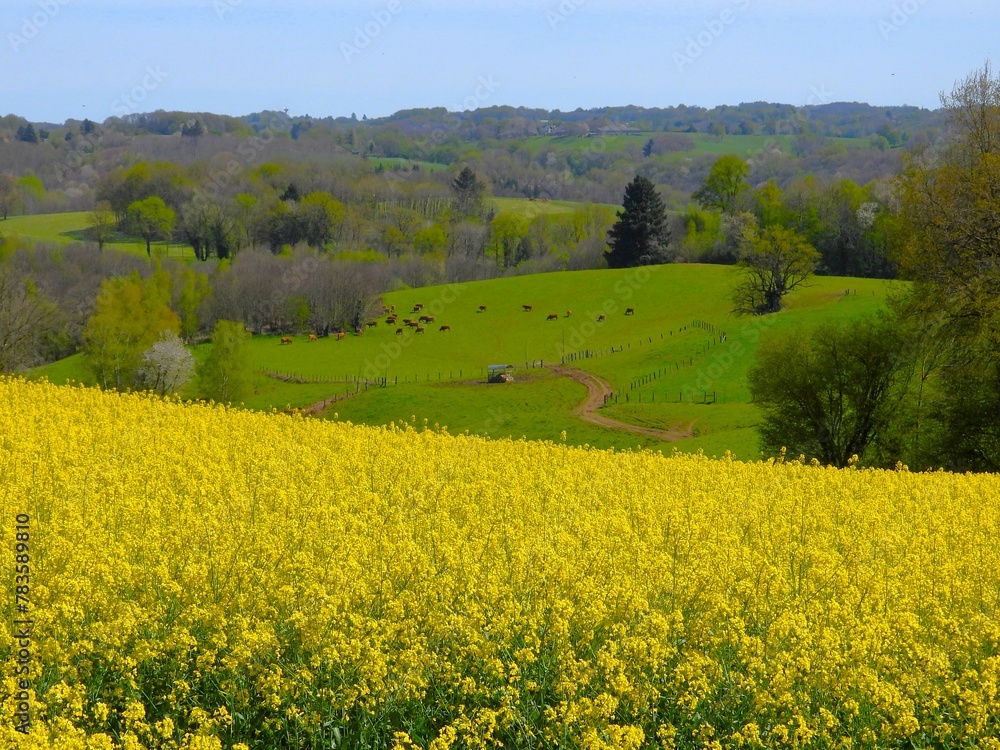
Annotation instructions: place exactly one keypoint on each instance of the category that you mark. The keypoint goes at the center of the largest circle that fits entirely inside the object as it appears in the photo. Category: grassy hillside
(667, 363)
(72, 227)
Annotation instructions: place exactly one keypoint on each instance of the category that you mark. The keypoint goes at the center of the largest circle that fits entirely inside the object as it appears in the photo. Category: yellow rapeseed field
(204, 577)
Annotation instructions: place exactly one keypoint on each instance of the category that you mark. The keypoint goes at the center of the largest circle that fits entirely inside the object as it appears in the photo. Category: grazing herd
(392, 319)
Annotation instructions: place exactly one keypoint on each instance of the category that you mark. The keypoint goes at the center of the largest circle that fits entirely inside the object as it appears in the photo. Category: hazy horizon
(97, 58)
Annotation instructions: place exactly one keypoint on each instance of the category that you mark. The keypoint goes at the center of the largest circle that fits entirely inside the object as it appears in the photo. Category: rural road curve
(597, 389)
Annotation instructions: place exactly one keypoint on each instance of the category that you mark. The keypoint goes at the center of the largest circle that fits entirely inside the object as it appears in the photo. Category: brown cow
(412, 323)
(340, 335)
(399, 331)
(286, 339)
(420, 329)
(359, 331)
(553, 316)
(445, 328)
(630, 311)
(600, 318)
(417, 307)
(482, 308)
(568, 313)
(312, 337)
(526, 308)
(371, 323)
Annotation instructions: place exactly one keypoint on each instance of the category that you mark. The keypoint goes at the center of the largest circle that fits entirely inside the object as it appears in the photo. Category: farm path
(597, 389)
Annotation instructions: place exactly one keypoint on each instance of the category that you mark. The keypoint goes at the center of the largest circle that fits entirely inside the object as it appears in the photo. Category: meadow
(667, 363)
(219, 578)
(71, 226)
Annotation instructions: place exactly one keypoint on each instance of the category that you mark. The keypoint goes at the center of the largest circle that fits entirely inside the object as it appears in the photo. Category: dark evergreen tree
(468, 192)
(641, 235)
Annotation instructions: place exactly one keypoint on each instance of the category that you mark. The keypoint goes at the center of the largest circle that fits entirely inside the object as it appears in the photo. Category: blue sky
(95, 58)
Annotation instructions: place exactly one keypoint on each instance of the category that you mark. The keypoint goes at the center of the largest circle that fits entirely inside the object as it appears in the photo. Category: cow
(630, 311)
(359, 331)
(445, 327)
(391, 320)
(482, 308)
(371, 323)
(569, 313)
(286, 339)
(420, 329)
(412, 323)
(385, 310)
(553, 316)
(600, 318)
(312, 337)
(340, 335)
(399, 331)
(526, 308)
(417, 307)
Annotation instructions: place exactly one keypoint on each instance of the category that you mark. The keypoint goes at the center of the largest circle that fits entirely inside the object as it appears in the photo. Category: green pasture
(665, 369)
(680, 360)
(72, 227)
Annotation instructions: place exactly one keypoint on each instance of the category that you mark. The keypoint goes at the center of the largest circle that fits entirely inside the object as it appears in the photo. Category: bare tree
(24, 318)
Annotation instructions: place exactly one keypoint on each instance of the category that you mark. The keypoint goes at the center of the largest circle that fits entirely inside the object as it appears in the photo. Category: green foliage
(508, 230)
(726, 185)
(131, 314)
(151, 219)
(224, 374)
(831, 394)
(641, 236)
(774, 261)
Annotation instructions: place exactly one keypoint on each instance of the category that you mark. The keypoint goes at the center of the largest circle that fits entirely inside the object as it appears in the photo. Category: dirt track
(597, 389)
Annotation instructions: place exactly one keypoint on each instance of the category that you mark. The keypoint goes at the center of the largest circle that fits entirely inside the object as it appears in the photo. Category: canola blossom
(208, 577)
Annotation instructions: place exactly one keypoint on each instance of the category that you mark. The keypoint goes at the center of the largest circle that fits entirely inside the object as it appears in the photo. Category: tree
(101, 223)
(24, 320)
(130, 315)
(27, 134)
(469, 191)
(151, 219)
(10, 197)
(774, 261)
(641, 236)
(949, 245)
(507, 231)
(319, 214)
(224, 374)
(831, 395)
(725, 186)
(166, 366)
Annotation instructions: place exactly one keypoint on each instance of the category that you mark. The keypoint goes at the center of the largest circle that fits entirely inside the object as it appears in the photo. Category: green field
(72, 227)
(665, 369)
(533, 208)
(740, 145)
